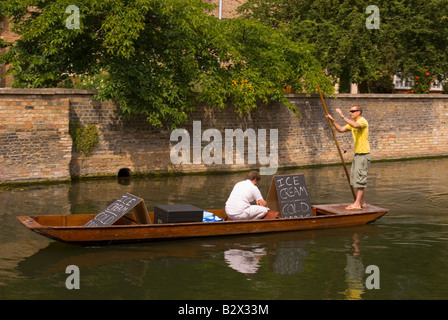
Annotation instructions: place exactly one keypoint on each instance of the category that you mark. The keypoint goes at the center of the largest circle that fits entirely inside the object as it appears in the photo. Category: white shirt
(242, 195)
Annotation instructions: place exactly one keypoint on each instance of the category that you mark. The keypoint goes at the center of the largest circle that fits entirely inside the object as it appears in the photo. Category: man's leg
(360, 201)
(358, 175)
(361, 197)
(256, 212)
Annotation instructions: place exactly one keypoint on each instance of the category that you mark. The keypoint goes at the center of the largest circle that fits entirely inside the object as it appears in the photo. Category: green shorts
(359, 169)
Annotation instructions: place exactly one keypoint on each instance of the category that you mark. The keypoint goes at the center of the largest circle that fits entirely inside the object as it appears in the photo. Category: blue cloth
(210, 217)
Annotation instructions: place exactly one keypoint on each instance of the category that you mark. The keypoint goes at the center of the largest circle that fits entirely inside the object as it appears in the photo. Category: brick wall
(34, 140)
(123, 143)
(35, 144)
(401, 125)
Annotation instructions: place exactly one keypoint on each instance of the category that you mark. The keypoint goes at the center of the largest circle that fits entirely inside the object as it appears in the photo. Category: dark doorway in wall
(124, 173)
(124, 176)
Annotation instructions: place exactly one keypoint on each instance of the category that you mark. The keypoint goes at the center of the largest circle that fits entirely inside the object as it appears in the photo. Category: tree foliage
(157, 58)
(412, 35)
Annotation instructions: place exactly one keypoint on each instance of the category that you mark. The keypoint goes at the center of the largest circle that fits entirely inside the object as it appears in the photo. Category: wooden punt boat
(71, 229)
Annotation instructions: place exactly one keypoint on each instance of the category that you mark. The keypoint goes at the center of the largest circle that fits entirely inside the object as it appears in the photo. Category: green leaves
(158, 58)
(413, 35)
(122, 26)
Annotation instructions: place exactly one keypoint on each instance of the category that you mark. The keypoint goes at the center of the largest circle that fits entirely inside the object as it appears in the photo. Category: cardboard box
(177, 213)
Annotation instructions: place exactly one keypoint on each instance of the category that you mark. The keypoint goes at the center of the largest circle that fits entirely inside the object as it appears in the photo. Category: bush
(422, 83)
(84, 138)
(384, 84)
(445, 88)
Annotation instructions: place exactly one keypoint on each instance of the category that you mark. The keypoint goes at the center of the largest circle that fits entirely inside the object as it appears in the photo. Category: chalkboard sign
(289, 196)
(115, 211)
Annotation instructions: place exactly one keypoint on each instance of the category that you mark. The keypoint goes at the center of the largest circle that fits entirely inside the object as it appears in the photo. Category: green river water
(408, 246)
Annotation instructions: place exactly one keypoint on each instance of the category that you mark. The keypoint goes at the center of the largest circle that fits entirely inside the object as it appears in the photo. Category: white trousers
(251, 213)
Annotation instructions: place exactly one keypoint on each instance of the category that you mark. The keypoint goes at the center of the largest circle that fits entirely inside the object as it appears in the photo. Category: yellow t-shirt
(361, 136)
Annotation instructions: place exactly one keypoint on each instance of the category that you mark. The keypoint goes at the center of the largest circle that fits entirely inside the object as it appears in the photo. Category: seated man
(238, 205)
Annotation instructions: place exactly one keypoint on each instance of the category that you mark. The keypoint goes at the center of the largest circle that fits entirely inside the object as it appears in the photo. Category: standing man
(359, 127)
(238, 205)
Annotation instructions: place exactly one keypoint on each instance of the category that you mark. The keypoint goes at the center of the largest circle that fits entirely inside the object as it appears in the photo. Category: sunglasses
(353, 111)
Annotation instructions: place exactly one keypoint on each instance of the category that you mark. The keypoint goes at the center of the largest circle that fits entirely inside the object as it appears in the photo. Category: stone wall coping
(62, 91)
(372, 96)
(45, 91)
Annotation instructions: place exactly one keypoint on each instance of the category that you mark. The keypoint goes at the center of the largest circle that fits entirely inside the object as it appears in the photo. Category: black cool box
(177, 213)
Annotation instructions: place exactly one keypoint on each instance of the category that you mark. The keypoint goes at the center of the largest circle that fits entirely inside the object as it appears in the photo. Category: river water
(407, 248)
